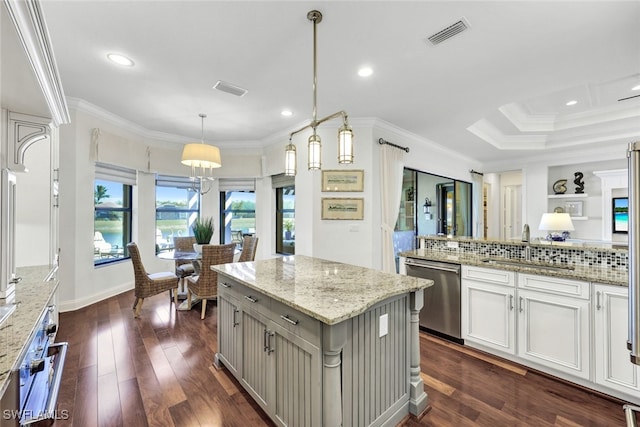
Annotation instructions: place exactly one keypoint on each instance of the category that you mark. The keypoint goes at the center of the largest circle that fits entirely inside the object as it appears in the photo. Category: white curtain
(477, 180)
(391, 169)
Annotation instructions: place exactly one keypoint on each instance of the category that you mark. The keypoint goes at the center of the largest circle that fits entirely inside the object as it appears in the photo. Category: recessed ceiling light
(570, 103)
(286, 113)
(365, 72)
(120, 59)
(636, 87)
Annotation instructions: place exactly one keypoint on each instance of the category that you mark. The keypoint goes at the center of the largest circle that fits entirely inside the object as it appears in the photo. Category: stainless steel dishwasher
(441, 311)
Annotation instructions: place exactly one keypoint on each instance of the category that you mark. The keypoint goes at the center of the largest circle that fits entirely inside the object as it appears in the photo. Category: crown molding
(485, 130)
(31, 27)
(129, 126)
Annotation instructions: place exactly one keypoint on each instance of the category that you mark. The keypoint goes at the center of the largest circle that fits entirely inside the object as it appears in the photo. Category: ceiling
(495, 91)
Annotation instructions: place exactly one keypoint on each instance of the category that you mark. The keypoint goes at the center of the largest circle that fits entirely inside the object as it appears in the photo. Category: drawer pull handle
(510, 302)
(235, 315)
(521, 301)
(225, 285)
(250, 298)
(288, 319)
(598, 306)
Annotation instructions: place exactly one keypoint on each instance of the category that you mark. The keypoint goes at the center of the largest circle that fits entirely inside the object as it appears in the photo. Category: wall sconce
(426, 208)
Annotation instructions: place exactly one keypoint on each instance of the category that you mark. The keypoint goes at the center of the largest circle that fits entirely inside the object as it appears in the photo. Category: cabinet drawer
(489, 275)
(246, 296)
(554, 285)
(296, 322)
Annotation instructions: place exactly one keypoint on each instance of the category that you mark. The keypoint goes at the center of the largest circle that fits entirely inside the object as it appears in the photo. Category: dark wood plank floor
(157, 371)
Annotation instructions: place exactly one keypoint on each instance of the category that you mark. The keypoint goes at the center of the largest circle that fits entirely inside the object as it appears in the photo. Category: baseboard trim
(77, 304)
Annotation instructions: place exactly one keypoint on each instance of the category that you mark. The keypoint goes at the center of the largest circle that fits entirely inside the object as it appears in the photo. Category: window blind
(236, 184)
(282, 180)
(108, 172)
(176, 182)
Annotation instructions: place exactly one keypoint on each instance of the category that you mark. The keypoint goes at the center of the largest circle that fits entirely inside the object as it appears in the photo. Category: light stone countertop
(328, 291)
(610, 276)
(32, 296)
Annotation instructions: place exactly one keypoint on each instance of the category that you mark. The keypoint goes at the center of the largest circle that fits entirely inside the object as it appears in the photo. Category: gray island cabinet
(321, 343)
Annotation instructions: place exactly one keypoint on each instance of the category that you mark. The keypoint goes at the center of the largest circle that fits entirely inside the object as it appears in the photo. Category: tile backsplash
(570, 255)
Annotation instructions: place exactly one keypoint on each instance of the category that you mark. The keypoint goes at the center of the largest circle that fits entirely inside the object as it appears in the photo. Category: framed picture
(342, 208)
(343, 180)
(620, 214)
(573, 208)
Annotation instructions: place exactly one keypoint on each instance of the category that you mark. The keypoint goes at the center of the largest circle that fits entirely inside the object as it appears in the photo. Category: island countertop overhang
(326, 290)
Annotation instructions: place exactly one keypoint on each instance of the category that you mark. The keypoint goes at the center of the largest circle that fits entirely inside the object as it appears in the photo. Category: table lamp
(555, 224)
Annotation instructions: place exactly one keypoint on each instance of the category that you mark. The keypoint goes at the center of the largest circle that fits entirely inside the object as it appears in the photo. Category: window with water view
(177, 207)
(112, 221)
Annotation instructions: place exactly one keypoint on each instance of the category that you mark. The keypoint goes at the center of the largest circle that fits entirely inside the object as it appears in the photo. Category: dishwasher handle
(441, 267)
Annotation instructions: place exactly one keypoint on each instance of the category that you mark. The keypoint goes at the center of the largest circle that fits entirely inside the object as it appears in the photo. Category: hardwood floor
(157, 371)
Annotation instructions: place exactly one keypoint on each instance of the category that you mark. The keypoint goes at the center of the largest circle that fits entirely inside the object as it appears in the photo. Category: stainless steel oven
(442, 301)
(32, 393)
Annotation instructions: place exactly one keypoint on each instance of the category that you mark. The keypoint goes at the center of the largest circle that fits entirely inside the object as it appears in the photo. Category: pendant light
(202, 158)
(345, 133)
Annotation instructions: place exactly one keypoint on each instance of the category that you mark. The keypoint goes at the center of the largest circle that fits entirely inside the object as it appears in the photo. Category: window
(177, 207)
(112, 221)
(238, 215)
(285, 214)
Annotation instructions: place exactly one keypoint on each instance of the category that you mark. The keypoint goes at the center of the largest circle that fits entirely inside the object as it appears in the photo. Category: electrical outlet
(384, 325)
(452, 245)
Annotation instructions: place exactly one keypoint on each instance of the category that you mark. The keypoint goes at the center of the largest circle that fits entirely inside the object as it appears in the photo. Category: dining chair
(146, 284)
(184, 268)
(249, 246)
(205, 284)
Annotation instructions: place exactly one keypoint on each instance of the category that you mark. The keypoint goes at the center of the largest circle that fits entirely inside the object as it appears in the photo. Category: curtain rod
(382, 141)
(479, 173)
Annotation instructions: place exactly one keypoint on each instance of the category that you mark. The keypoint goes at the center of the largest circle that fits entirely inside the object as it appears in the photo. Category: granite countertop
(605, 275)
(32, 296)
(325, 290)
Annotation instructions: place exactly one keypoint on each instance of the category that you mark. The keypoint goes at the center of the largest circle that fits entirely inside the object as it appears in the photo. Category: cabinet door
(488, 315)
(297, 381)
(613, 367)
(256, 361)
(229, 332)
(554, 331)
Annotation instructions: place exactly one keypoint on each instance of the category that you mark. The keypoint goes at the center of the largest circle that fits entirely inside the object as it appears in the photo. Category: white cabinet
(613, 368)
(553, 323)
(539, 319)
(488, 316)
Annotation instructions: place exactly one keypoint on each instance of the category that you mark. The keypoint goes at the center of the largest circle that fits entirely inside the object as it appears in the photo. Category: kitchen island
(321, 343)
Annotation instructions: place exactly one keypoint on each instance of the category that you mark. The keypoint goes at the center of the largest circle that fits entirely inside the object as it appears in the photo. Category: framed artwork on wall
(342, 180)
(573, 208)
(343, 208)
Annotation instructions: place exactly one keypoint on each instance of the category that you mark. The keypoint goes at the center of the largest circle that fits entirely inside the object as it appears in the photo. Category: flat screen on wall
(620, 214)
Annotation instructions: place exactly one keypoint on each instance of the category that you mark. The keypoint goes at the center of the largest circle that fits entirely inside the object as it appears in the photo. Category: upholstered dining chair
(249, 247)
(184, 268)
(146, 284)
(205, 284)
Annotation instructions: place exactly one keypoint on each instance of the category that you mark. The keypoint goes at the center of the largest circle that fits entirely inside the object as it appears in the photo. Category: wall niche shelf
(579, 218)
(568, 196)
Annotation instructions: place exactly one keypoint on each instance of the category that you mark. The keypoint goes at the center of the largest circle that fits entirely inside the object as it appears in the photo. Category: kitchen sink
(552, 267)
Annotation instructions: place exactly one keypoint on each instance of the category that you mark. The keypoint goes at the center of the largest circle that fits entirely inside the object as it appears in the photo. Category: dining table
(173, 255)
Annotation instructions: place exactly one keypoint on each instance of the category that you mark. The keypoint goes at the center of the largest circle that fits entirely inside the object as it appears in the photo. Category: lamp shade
(556, 222)
(201, 156)
(290, 160)
(315, 152)
(345, 145)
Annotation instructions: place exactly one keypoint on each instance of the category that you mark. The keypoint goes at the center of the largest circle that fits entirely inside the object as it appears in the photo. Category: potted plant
(288, 226)
(202, 231)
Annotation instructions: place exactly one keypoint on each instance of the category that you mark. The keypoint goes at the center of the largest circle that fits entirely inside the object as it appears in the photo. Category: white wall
(33, 207)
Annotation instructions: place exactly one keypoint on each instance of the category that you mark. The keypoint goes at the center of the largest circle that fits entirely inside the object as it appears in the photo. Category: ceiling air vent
(448, 32)
(229, 88)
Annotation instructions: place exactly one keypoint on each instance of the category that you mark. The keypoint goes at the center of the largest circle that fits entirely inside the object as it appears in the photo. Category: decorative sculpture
(579, 182)
(560, 187)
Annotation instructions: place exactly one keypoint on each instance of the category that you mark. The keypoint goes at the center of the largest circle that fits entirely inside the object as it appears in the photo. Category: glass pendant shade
(315, 152)
(290, 160)
(345, 145)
